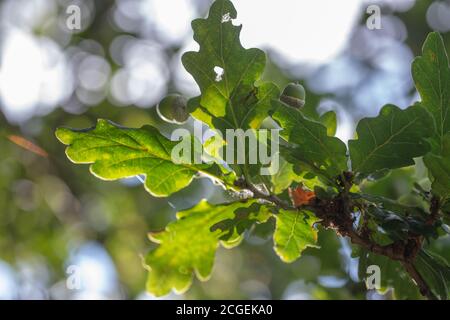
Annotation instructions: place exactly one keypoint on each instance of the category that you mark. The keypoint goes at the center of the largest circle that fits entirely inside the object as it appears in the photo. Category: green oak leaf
(393, 205)
(401, 226)
(244, 218)
(116, 152)
(294, 232)
(283, 177)
(309, 141)
(431, 75)
(436, 272)
(226, 73)
(390, 140)
(286, 175)
(439, 167)
(187, 246)
(329, 120)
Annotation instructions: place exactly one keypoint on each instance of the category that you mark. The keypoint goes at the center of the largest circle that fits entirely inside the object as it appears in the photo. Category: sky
(36, 74)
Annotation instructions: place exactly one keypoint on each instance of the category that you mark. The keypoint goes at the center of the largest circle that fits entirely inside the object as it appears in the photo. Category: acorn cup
(294, 95)
(173, 109)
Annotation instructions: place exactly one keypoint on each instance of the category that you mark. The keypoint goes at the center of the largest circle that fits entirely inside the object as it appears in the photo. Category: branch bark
(336, 214)
(258, 194)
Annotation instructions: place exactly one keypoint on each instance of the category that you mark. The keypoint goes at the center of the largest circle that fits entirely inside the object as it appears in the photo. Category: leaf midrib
(292, 233)
(143, 148)
(384, 143)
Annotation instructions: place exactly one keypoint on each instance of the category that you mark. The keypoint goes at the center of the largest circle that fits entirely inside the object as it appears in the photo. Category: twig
(268, 197)
(337, 214)
(434, 210)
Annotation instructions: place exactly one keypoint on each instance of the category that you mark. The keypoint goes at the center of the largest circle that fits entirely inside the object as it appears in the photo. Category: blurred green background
(125, 58)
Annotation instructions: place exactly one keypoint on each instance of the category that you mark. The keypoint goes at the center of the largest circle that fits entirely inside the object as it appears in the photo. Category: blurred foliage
(49, 208)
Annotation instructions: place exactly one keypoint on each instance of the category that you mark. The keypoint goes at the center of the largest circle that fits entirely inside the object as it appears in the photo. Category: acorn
(173, 109)
(294, 95)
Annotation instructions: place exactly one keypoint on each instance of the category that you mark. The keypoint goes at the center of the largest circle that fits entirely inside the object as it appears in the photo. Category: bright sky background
(306, 31)
(34, 71)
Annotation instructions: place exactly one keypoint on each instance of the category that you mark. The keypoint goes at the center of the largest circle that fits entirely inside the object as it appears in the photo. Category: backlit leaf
(294, 232)
(226, 73)
(116, 152)
(187, 246)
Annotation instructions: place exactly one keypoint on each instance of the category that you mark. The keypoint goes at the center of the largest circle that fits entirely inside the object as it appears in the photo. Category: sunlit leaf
(294, 232)
(187, 246)
(116, 152)
(244, 218)
(329, 120)
(226, 73)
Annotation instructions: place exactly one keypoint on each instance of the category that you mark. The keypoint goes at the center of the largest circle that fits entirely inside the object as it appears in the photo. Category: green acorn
(294, 95)
(173, 109)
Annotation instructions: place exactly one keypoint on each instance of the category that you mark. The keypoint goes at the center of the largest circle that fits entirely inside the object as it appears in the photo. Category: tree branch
(258, 194)
(337, 213)
(434, 210)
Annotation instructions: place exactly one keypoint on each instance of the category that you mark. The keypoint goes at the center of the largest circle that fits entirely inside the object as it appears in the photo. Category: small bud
(294, 95)
(173, 109)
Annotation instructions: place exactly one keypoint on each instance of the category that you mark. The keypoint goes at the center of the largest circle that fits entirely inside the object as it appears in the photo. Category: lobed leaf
(244, 218)
(294, 232)
(226, 73)
(116, 152)
(390, 140)
(431, 75)
(188, 246)
(309, 141)
(283, 177)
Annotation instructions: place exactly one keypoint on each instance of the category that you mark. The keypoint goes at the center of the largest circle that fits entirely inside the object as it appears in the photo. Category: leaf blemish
(226, 17)
(219, 73)
(433, 57)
